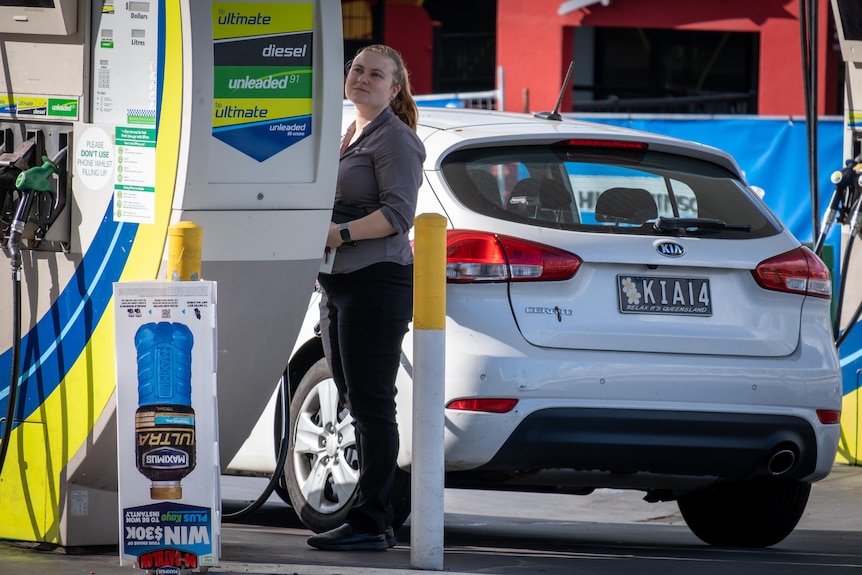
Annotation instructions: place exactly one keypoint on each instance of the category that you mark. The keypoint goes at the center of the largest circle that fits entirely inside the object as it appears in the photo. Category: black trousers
(363, 318)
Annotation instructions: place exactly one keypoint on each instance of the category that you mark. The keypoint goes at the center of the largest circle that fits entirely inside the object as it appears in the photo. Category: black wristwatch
(344, 231)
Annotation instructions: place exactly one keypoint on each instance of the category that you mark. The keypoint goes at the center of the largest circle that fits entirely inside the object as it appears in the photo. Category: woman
(368, 296)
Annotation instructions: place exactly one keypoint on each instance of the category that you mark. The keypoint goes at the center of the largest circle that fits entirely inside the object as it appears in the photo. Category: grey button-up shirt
(380, 170)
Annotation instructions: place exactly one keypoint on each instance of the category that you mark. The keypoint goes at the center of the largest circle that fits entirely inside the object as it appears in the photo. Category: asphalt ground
(272, 541)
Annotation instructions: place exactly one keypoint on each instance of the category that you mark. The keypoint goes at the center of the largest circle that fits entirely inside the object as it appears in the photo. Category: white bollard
(429, 348)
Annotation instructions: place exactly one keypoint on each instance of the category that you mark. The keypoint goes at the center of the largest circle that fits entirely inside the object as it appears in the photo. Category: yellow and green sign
(262, 75)
(39, 106)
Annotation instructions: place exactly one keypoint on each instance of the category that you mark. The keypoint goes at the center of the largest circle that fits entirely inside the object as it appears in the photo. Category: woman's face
(370, 81)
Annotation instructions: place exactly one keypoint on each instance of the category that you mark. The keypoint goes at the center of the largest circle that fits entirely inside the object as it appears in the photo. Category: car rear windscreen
(605, 189)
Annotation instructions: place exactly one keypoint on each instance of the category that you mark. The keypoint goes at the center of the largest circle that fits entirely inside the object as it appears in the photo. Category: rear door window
(603, 189)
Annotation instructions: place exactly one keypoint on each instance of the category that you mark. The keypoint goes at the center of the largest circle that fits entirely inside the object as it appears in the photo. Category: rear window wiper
(663, 224)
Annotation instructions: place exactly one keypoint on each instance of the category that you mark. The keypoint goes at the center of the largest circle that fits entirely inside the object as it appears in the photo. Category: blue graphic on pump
(265, 139)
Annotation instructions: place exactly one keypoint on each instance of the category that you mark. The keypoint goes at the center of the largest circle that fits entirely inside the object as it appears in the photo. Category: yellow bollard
(429, 368)
(184, 251)
(429, 270)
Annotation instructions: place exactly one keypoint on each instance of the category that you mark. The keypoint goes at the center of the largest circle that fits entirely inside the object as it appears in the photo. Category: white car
(623, 311)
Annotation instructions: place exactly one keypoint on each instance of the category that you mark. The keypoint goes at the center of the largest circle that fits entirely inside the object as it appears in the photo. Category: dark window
(465, 44)
(672, 71)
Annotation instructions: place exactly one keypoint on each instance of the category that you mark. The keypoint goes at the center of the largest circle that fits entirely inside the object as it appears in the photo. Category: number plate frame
(664, 295)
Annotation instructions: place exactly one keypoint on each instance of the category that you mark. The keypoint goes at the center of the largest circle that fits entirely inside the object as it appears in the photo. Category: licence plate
(664, 295)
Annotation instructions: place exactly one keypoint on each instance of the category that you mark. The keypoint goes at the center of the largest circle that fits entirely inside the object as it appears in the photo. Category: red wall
(534, 45)
(409, 29)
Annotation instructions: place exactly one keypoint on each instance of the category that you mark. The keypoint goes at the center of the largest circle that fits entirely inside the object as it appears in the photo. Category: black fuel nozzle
(38, 179)
(13, 163)
(16, 228)
(29, 183)
(59, 197)
(845, 176)
(8, 175)
(844, 205)
(846, 195)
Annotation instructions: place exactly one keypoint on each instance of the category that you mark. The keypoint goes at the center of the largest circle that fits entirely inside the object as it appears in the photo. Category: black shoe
(346, 538)
(391, 541)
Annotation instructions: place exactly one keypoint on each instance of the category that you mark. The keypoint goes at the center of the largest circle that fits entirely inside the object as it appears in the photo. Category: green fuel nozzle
(37, 178)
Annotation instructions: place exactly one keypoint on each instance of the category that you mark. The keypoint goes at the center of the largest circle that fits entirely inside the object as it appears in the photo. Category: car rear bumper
(650, 414)
(732, 446)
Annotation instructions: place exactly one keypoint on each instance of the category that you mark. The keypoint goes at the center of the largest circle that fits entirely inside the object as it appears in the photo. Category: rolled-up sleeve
(398, 160)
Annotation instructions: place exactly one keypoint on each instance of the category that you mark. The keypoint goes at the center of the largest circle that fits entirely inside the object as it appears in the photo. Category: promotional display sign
(167, 428)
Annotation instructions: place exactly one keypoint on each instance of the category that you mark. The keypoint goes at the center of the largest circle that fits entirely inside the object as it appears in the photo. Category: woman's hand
(333, 239)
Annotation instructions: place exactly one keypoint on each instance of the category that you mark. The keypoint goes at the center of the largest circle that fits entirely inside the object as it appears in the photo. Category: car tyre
(756, 513)
(322, 466)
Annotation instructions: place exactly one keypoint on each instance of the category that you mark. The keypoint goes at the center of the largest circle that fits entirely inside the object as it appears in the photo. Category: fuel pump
(844, 201)
(11, 166)
(845, 209)
(225, 113)
(28, 183)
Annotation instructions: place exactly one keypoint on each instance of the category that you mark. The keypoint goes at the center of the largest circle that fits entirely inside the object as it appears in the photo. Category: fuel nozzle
(29, 182)
(37, 178)
(854, 202)
(844, 202)
(13, 163)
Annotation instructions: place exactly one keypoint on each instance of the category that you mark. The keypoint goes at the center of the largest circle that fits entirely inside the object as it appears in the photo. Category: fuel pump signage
(167, 430)
(39, 107)
(262, 75)
(94, 158)
(125, 64)
(135, 185)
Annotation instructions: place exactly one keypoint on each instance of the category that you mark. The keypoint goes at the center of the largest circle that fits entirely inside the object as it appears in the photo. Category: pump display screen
(28, 3)
(51, 17)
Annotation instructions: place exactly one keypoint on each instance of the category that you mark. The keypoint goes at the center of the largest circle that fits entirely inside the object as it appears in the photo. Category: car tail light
(485, 257)
(829, 416)
(486, 404)
(798, 271)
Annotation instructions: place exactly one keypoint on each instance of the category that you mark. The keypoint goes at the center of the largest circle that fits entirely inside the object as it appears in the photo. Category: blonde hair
(403, 104)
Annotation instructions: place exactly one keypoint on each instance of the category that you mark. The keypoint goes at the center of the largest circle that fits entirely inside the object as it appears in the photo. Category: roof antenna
(555, 115)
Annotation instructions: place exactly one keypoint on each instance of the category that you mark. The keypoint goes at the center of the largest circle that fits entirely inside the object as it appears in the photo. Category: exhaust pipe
(781, 461)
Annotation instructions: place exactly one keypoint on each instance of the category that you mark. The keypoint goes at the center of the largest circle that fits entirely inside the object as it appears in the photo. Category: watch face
(345, 233)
